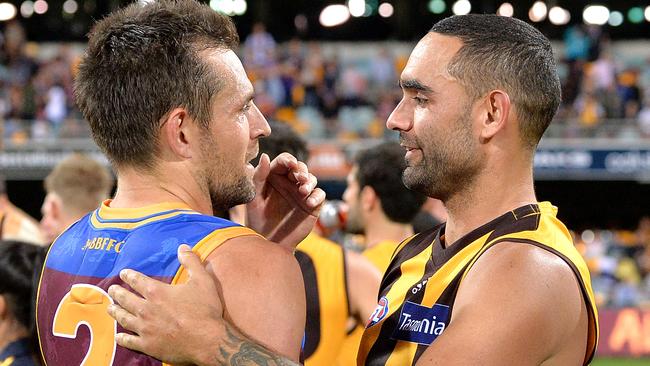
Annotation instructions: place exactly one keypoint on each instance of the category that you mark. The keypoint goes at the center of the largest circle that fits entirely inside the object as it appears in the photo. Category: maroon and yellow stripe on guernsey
(73, 325)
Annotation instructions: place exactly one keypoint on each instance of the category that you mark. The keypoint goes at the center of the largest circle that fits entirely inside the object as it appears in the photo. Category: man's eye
(420, 101)
(247, 107)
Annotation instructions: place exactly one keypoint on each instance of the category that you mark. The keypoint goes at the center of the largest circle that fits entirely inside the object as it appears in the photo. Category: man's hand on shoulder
(518, 305)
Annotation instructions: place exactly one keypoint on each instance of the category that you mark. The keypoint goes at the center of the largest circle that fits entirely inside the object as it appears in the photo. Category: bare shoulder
(244, 253)
(262, 290)
(541, 272)
(359, 265)
(525, 289)
(363, 283)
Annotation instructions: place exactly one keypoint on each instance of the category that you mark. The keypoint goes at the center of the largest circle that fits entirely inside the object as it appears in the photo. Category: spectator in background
(311, 76)
(630, 93)
(383, 70)
(20, 265)
(576, 43)
(15, 224)
(259, 48)
(590, 111)
(76, 186)
(644, 118)
(56, 107)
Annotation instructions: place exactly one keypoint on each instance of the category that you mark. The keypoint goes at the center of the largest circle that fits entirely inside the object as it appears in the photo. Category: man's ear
(368, 198)
(176, 133)
(56, 207)
(494, 112)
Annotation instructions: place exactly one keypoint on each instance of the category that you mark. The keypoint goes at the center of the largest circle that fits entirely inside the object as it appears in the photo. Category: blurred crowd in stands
(619, 262)
(336, 94)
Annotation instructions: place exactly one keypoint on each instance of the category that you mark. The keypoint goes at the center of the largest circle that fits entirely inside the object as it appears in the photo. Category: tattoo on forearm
(239, 351)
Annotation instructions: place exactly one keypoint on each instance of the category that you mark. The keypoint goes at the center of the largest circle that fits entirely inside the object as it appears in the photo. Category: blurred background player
(15, 224)
(339, 284)
(20, 265)
(76, 186)
(381, 208)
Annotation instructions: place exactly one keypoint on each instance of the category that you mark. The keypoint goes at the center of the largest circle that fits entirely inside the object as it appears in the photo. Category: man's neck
(487, 198)
(383, 229)
(136, 189)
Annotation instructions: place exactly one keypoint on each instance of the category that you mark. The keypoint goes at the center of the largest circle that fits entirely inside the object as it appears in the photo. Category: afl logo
(380, 312)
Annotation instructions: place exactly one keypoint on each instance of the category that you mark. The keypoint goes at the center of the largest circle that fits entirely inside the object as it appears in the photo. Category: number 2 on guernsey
(87, 305)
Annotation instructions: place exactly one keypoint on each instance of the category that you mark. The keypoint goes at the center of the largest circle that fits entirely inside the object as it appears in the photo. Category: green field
(620, 362)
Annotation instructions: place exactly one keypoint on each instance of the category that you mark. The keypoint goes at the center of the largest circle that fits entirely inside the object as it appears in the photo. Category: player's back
(87, 258)
(380, 256)
(322, 263)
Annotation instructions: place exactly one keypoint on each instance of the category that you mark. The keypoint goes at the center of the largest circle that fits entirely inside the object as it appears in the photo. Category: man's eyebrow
(414, 84)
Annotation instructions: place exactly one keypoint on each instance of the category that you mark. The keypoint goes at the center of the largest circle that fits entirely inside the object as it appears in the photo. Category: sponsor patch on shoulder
(420, 324)
(380, 312)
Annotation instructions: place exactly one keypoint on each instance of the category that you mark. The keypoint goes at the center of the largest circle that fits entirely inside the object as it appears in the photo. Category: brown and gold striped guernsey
(419, 288)
(322, 263)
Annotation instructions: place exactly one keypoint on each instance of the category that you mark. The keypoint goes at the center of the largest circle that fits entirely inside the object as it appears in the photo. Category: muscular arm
(235, 349)
(363, 282)
(519, 305)
(183, 324)
(263, 293)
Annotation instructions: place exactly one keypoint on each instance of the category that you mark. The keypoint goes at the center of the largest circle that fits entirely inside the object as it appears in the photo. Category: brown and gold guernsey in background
(419, 288)
(380, 256)
(322, 263)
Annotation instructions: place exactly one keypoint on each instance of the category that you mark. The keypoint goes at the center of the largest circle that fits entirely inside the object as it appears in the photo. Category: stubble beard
(227, 187)
(448, 166)
(225, 196)
(353, 224)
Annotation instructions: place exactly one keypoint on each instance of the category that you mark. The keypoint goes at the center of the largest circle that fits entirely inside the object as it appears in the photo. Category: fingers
(284, 163)
(315, 200)
(130, 341)
(308, 186)
(140, 283)
(126, 299)
(127, 320)
(262, 170)
(191, 262)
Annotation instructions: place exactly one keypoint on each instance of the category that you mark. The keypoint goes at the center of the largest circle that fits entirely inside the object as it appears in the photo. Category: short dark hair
(283, 139)
(507, 53)
(142, 61)
(20, 265)
(381, 168)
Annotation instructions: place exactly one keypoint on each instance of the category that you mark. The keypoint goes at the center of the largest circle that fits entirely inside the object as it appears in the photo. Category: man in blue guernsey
(170, 105)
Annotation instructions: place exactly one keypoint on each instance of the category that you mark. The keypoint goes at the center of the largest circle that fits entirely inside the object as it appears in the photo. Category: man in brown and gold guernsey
(500, 283)
(381, 208)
